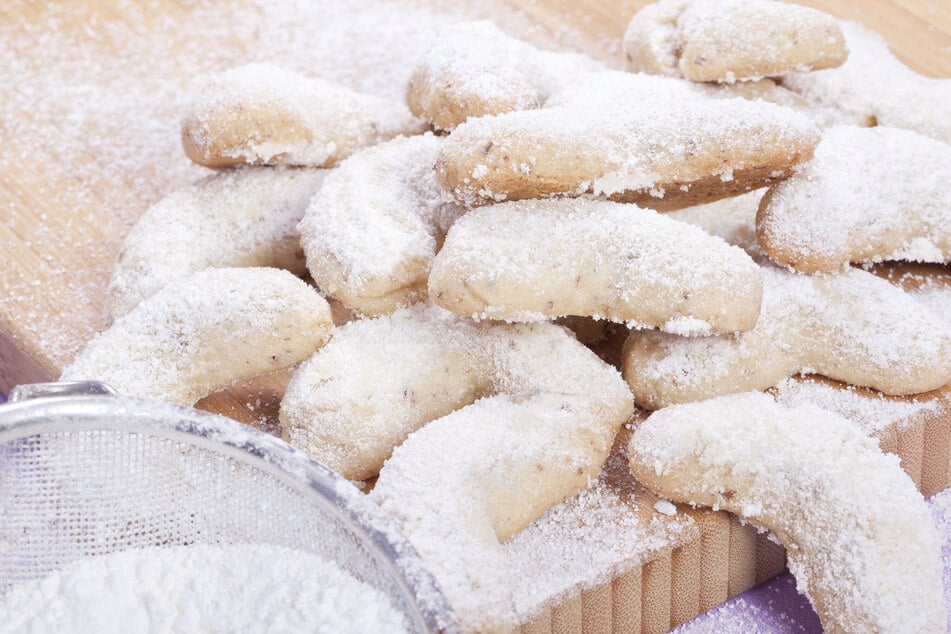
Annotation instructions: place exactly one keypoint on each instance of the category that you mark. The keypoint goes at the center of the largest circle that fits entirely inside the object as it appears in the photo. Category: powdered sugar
(936, 298)
(226, 589)
(874, 88)
(868, 410)
(262, 113)
(605, 531)
(372, 246)
(845, 511)
(242, 218)
(733, 219)
(869, 194)
(852, 326)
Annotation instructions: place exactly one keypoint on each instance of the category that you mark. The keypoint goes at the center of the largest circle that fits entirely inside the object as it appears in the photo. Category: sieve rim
(93, 406)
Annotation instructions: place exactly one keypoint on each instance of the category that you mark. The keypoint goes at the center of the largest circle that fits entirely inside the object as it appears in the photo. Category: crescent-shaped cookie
(873, 88)
(598, 259)
(371, 232)
(870, 194)
(859, 536)
(655, 141)
(260, 113)
(380, 379)
(731, 40)
(853, 327)
(203, 332)
(244, 217)
(473, 69)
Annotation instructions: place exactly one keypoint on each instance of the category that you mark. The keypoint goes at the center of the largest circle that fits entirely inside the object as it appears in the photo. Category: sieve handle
(64, 388)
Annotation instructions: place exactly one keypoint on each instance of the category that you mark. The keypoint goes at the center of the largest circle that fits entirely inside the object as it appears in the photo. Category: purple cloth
(775, 607)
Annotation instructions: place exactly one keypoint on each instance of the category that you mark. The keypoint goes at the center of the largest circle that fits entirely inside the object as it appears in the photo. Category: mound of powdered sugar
(237, 588)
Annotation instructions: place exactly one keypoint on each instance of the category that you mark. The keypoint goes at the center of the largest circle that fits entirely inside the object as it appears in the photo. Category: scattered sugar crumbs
(90, 112)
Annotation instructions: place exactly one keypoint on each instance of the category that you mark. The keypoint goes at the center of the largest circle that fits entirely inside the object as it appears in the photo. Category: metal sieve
(84, 472)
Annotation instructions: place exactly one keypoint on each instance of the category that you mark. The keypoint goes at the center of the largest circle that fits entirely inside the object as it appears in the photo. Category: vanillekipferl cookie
(874, 88)
(242, 217)
(731, 40)
(853, 326)
(869, 194)
(265, 114)
(370, 234)
(205, 331)
(598, 259)
(472, 69)
(858, 535)
(655, 141)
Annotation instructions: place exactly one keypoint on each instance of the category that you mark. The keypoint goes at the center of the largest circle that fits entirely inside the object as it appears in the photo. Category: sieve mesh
(125, 473)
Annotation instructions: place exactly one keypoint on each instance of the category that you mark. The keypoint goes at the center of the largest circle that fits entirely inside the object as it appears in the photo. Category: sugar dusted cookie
(730, 40)
(598, 259)
(859, 537)
(260, 113)
(523, 416)
(874, 88)
(654, 141)
(245, 217)
(371, 232)
(380, 379)
(854, 327)
(473, 69)
(870, 194)
(203, 332)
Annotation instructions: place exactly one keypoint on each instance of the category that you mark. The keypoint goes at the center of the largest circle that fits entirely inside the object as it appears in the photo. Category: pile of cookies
(467, 246)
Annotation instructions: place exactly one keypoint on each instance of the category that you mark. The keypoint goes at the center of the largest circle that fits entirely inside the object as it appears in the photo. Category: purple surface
(775, 607)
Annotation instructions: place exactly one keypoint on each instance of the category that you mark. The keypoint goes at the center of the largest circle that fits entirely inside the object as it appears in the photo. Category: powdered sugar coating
(853, 326)
(595, 258)
(235, 588)
(473, 69)
(455, 505)
(936, 298)
(858, 534)
(870, 412)
(261, 113)
(371, 232)
(604, 532)
(869, 194)
(245, 217)
(731, 40)
(509, 420)
(203, 332)
(637, 138)
(378, 380)
(874, 88)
